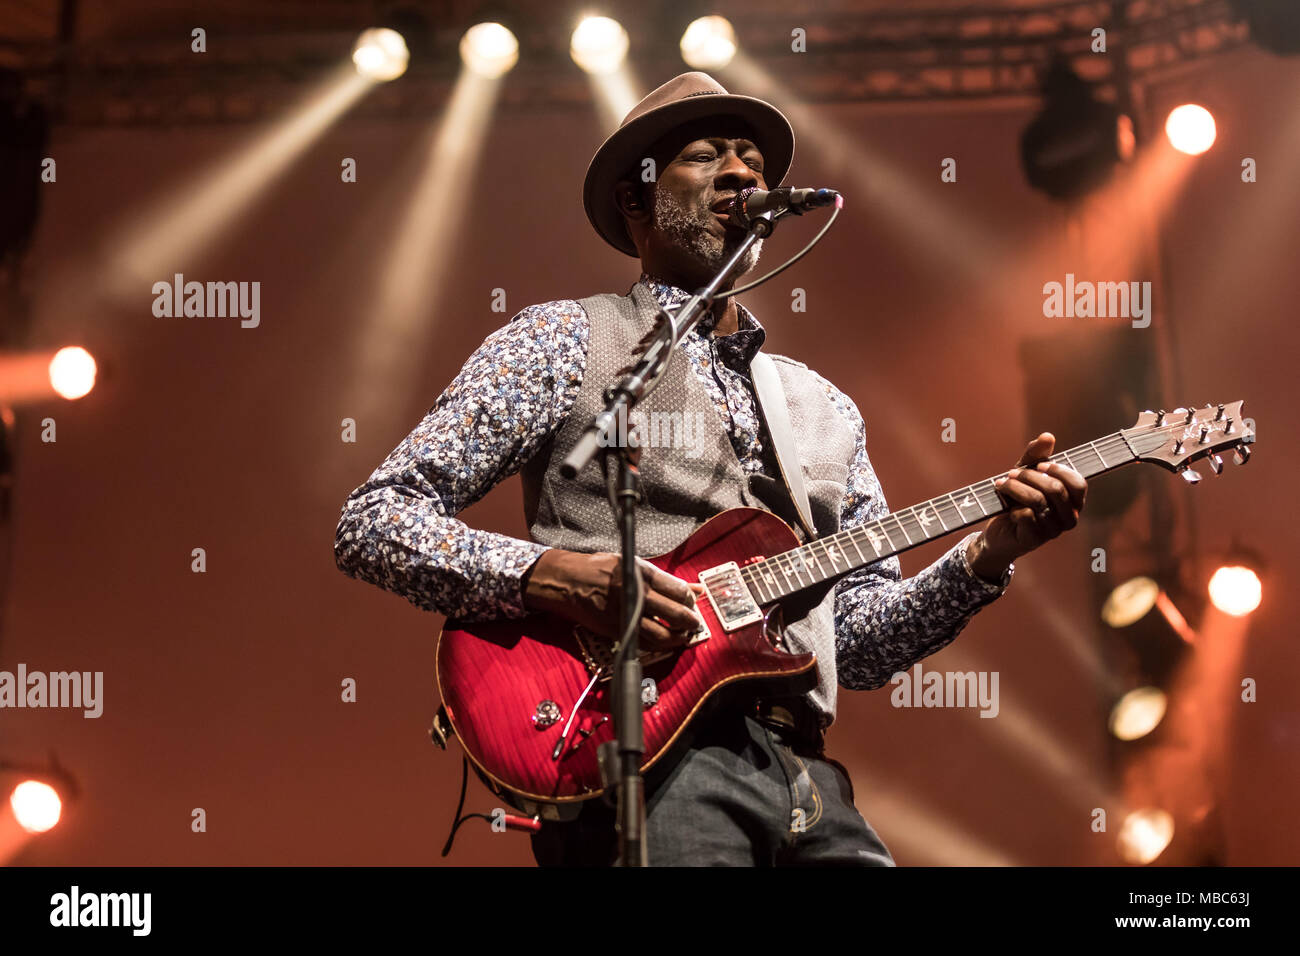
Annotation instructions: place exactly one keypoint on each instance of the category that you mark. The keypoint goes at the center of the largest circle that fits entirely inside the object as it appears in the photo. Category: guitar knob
(1241, 454)
(1216, 464)
(1160, 418)
(546, 715)
(1191, 414)
(1190, 476)
(1219, 414)
(1205, 430)
(649, 693)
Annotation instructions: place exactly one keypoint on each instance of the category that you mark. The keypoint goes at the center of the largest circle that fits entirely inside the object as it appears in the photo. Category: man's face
(702, 167)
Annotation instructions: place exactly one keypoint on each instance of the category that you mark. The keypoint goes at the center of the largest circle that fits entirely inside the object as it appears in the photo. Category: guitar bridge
(730, 596)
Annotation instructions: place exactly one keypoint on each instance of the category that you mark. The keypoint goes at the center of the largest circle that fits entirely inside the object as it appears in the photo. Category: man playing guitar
(752, 784)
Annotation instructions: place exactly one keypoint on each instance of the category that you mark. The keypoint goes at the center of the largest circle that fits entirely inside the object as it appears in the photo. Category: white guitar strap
(775, 411)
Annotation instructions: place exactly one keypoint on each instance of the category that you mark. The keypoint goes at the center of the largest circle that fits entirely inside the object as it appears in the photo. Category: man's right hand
(584, 588)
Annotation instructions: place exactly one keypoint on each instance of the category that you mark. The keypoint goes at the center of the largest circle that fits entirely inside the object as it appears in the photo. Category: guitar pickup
(730, 596)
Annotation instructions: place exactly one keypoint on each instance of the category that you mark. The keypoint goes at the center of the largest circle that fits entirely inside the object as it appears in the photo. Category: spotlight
(489, 49)
(1145, 834)
(1075, 142)
(1236, 590)
(1133, 600)
(36, 806)
(1137, 713)
(1151, 626)
(72, 372)
(709, 43)
(380, 54)
(599, 45)
(1190, 129)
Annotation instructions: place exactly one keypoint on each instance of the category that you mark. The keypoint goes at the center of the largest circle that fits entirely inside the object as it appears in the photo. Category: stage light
(599, 45)
(1145, 834)
(1130, 602)
(36, 806)
(1073, 145)
(380, 54)
(1236, 590)
(709, 43)
(489, 49)
(1137, 713)
(1190, 129)
(72, 372)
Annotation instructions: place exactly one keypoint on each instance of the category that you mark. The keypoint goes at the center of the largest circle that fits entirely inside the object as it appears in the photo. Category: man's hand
(584, 588)
(1045, 499)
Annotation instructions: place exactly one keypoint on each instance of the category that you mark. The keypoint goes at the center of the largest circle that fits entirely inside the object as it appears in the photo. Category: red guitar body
(493, 676)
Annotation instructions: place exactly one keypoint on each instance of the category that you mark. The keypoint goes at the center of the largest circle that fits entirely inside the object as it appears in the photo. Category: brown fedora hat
(686, 97)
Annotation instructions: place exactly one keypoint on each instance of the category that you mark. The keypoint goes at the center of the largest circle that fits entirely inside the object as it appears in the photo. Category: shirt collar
(740, 347)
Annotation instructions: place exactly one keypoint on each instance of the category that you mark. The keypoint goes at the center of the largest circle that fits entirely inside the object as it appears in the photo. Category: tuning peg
(1160, 417)
(1216, 464)
(1219, 414)
(1205, 430)
(1241, 453)
(1191, 414)
(1190, 476)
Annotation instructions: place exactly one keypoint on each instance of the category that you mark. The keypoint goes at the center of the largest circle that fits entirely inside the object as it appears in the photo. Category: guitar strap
(776, 412)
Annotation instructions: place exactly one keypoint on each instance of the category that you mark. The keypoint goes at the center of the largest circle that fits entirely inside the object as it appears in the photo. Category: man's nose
(736, 173)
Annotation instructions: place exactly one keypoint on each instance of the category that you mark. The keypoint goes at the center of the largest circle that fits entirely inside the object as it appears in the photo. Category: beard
(689, 228)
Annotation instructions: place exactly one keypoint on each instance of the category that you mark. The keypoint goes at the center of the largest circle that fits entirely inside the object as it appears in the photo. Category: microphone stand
(620, 758)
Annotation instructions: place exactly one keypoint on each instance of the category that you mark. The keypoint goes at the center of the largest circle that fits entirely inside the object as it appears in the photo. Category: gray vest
(689, 469)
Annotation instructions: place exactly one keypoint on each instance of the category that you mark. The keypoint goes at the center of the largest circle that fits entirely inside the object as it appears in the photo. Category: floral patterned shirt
(399, 531)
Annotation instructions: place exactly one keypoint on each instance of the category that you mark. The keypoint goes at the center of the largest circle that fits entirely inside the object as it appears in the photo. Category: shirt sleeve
(399, 530)
(883, 622)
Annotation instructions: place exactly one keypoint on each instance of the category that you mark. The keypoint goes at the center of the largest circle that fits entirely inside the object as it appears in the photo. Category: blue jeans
(743, 793)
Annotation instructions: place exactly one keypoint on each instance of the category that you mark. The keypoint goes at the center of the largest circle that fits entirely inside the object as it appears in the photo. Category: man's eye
(755, 166)
(707, 157)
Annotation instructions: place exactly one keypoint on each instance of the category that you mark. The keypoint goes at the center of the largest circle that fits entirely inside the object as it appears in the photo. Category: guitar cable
(512, 821)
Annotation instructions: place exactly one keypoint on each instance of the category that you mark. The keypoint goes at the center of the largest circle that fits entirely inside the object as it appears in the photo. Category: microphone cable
(839, 204)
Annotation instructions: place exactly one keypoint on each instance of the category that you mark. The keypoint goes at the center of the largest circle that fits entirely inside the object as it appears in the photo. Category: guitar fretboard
(837, 554)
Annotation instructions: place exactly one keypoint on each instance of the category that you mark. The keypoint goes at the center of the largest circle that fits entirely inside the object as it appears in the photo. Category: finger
(675, 614)
(1038, 449)
(1058, 497)
(656, 637)
(1016, 493)
(1074, 482)
(665, 583)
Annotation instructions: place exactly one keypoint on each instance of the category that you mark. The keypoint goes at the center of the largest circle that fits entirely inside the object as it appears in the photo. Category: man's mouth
(722, 208)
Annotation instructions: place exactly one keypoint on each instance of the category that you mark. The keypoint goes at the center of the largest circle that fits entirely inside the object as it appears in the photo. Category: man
(754, 786)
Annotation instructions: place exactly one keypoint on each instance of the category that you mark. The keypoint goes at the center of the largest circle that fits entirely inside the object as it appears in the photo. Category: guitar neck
(836, 555)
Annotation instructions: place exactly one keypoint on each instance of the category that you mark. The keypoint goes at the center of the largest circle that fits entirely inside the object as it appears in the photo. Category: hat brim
(631, 143)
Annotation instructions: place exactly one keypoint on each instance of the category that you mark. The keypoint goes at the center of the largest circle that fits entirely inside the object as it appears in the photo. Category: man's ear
(632, 200)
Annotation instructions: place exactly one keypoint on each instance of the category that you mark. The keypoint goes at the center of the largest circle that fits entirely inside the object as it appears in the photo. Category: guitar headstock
(1184, 436)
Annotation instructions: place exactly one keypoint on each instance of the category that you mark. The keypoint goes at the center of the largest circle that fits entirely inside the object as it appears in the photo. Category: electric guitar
(530, 698)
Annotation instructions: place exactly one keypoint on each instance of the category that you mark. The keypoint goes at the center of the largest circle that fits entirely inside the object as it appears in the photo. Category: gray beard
(689, 229)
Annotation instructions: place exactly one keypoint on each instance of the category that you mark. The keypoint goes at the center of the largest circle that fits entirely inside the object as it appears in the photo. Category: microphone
(753, 201)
